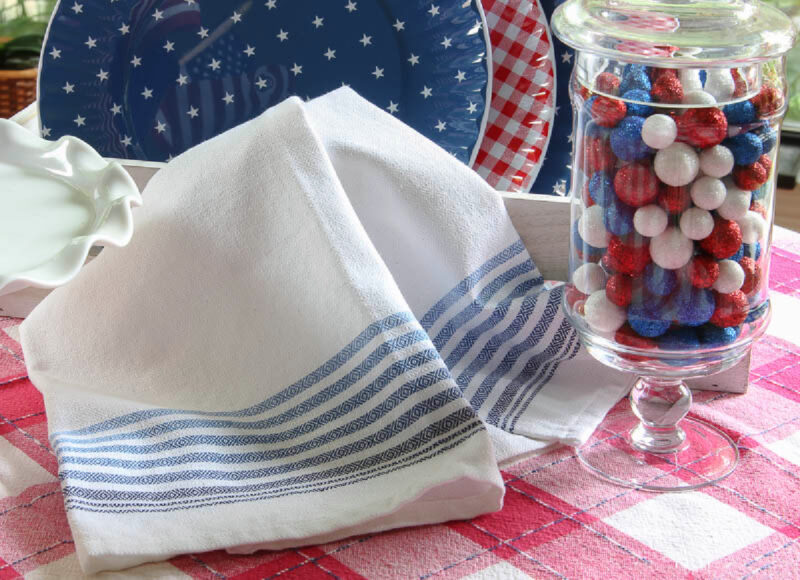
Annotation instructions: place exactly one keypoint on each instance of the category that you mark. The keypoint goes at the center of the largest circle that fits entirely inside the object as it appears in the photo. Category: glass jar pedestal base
(653, 446)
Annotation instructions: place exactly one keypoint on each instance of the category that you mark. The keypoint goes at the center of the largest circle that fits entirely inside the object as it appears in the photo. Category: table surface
(558, 521)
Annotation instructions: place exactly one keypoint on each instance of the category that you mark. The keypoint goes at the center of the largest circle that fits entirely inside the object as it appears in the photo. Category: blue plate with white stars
(148, 79)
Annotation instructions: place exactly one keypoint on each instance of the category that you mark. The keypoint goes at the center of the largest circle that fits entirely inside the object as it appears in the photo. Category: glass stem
(660, 404)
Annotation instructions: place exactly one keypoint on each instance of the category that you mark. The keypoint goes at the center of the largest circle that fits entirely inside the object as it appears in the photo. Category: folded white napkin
(296, 346)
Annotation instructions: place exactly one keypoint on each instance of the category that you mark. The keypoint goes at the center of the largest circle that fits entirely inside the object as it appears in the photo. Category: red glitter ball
(657, 73)
(673, 199)
(608, 112)
(619, 288)
(607, 83)
(627, 336)
(572, 295)
(724, 240)
(758, 208)
(627, 258)
(752, 275)
(739, 83)
(750, 177)
(636, 184)
(667, 89)
(766, 162)
(585, 93)
(731, 309)
(598, 155)
(590, 258)
(703, 127)
(767, 102)
(703, 271)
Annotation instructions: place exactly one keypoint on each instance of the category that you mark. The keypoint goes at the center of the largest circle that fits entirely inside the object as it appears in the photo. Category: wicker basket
(17, 90)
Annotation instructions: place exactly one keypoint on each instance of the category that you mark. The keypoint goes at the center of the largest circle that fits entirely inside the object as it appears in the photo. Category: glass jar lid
(676, 33)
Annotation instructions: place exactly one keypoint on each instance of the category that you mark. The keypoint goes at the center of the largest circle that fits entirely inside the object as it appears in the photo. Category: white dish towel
(297, 345)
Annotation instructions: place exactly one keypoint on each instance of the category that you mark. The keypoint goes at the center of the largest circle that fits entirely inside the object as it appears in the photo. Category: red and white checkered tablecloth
(558, 521)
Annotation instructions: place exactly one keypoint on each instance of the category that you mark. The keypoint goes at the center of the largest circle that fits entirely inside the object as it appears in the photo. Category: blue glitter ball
(626, 139)
(751, 251)
(738, 255)
(633, 68)
(679, 339)
(760, 193)
(757, 312)
(590, 253)
(643, 323)
(694, 306)
(703, 77)
(769, 138)
(659, 281)
(601, 189)
(739, 113)
(711, 335)
(635, 79)
(636, 109)
(618, 218)
(746, 148)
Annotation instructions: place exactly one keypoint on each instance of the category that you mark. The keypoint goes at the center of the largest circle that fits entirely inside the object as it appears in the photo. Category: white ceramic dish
(57, 200)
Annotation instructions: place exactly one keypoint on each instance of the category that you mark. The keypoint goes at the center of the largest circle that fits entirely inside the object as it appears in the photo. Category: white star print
(249, 51)
(193, 111)
(214, 64)
(426, 92)
(228, 98)
(102, 75)
(460, 76)
(160, 127)
(125, 140)
(79, 121)
(124, 29)
(399, 25)
(365, 40)
(169, 46)
(329, 54)
(413, 59)
(68, 88)
(115, 109)
(90, 42)
(473, 107)
(569, 138)
(378, 72)
(203, 32)
(441, 126)
(261, 84)
(446, 42)
(182, 79)
(136, 61)
(344, 84)
(77, 8)
(147, 93)
(434, 11)
(45, 131)
(190, 2)
(55, 53)
(317, 22)
(566, 57)
(392, 108)
(158, 14)
(282, 35)
(560, 187)
(236, 17)
(297, 69)
(350, 6)
(556, 110)
(270, 4)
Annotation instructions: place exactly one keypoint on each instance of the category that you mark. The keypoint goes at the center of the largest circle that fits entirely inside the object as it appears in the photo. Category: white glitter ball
(708, 192)
(698, 98)
(731, 277)
(719, 83)
(736, 203)
(671, 250)
(716, 161)
(696, 223)
(589, 278)
(602, 314)
(650, 220)
(677, 164)
(592, 229)
(753, 226)
(690, 79)
(659, 131)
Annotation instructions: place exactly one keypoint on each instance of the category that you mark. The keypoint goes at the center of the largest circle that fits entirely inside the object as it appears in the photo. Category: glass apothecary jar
(677, 108)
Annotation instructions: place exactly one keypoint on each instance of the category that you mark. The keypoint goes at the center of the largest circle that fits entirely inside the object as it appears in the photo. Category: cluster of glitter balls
(673, 217)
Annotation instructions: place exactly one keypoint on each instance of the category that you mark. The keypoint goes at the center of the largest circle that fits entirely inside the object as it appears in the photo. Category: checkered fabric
(558, 521)
(518, 127)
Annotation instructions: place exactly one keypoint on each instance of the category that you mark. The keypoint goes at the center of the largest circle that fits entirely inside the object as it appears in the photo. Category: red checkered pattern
(518, 127)
(558, 521)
